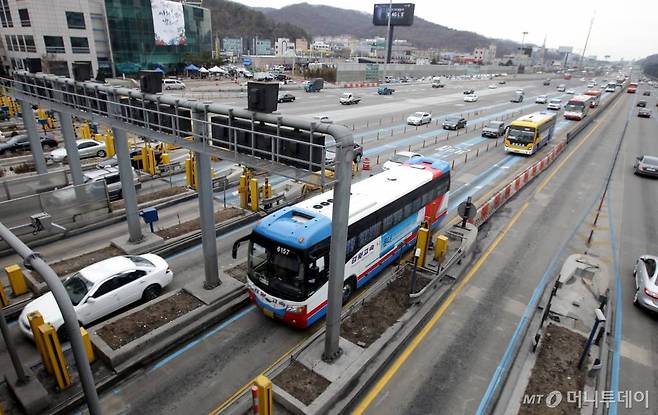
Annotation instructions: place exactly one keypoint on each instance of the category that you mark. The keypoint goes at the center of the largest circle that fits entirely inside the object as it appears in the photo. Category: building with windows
(301, 44)
(54, 36)
(263, 46)
(284, 47)
(485, 55)
(139, 41)
(232, 46)
(69, 37)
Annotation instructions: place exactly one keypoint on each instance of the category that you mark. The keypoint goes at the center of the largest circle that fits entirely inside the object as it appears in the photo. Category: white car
(419, 118)
(471, 98)
(554, 104)
(493, 86)
(172, 84)
(520, 91)
(542, 99)
(571, 91)
(103, 288)
(591, 85)
(398, 159)
(86, 148)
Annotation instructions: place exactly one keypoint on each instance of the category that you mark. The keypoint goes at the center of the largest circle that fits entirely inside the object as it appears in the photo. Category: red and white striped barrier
(360, 84)
(489, 207)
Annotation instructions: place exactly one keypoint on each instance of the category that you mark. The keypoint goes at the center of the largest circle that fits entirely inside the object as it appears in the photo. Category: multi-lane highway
(451, 367)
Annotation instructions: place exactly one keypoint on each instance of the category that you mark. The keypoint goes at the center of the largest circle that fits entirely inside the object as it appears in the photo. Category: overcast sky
(622, 28)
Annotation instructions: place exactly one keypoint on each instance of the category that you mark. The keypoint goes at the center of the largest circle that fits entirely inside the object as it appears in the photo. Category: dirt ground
(556, 370)
(239, 272)
(147, 197)
(302, 383)
(380, 312)
(194, 224)
(71, 265)
(23, 168)
(136, 325)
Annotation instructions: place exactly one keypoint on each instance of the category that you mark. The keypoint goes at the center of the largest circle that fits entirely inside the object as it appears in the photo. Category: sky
(622, 29)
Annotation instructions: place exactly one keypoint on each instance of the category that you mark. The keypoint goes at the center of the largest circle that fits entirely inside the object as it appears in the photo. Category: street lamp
(523, 41)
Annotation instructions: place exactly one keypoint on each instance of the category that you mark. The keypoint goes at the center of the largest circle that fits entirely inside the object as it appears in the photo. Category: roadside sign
(246, 61)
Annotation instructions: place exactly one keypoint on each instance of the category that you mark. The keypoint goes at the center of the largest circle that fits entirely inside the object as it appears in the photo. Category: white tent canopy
(203, 70)
(216, 69)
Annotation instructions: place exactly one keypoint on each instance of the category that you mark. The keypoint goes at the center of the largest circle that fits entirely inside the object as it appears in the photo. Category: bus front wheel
(348, 289)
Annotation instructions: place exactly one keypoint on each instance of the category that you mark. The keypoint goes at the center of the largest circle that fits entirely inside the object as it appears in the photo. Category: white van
(172, 84)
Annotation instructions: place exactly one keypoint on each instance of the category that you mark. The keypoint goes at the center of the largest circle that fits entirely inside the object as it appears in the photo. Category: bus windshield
(524, 135)
(277, 270)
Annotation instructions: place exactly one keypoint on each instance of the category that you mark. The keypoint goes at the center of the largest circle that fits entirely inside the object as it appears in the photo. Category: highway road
(194, 378)
(450, 369)
(634, 201)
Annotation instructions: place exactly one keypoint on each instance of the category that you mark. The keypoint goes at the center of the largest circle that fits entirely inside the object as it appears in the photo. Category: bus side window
(317, 273)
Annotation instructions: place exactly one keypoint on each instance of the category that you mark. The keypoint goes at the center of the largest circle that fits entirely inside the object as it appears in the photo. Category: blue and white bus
(288, 255)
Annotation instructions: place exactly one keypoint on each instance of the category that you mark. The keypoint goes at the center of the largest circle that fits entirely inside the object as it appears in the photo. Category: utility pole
(591, 23)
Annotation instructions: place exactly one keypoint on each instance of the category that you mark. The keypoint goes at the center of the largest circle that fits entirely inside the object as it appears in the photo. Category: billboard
(168, 23)
(402, 14)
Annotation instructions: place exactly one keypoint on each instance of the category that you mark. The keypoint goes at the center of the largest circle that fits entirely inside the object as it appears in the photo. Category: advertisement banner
(168, 23)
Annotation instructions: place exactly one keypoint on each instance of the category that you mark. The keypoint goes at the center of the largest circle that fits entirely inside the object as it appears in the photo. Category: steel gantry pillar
(72, 154)
(35, 143)
(206, 205)
(127, 185)
(339, 222)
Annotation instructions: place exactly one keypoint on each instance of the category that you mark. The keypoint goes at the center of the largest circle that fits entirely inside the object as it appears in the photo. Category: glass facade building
(132, 36)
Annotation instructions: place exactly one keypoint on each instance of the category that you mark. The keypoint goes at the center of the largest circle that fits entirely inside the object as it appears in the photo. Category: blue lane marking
(616, 359)
(483, 179)
(164, 361)
(402, 125)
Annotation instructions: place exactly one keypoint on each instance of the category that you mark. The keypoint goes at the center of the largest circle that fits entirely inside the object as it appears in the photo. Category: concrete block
(227, 291)
(31, 396)
(312, 359)
(147, 244)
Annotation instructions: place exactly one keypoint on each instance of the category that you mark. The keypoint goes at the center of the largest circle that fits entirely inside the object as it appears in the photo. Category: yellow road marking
(390, 372)
(285, 355)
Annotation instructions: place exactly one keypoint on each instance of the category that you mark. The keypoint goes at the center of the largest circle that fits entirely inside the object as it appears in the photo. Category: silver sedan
(646, 290)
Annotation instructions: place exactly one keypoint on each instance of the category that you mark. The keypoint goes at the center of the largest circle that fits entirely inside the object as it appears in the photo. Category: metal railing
(260, 141)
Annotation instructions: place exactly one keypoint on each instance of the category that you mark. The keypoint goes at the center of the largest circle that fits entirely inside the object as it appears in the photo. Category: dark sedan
(22, 143)
(287, 98)
(454, 123)
(469, 92)
(641, 104)
(644, 113)
(646, 165)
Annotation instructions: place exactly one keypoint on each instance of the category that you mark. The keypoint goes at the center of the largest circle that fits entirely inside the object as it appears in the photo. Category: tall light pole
(522, 59)
(582, 57)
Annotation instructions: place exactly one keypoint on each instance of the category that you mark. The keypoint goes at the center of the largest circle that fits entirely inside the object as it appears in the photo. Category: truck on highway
(314, 85)
(349, 98)
(436, 82)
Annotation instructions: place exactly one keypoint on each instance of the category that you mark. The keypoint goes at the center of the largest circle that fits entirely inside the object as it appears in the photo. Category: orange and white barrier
(489, 207)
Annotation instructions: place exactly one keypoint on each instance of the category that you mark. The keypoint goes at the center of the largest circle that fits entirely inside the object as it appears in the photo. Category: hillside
(331, 21)
(650, 65)
(234, 19)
